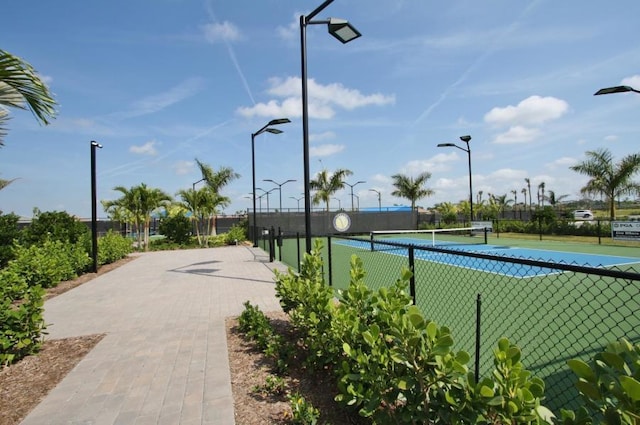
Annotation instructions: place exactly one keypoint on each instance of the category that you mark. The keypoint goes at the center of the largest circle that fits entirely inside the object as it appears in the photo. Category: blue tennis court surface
(497, 267)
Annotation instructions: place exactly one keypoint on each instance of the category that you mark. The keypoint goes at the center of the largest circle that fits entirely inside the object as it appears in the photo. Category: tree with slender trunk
(554, 199)
(139, 202)
(541, 194)
(215, 181)
(608, 178)
(411, 188)
(528, 181)
(326, 184)
(515, 201)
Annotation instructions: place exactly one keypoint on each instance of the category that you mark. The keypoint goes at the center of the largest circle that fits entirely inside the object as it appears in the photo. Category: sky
(161, 83)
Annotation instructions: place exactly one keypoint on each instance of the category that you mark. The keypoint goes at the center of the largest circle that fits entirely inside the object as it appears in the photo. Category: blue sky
(160, 83)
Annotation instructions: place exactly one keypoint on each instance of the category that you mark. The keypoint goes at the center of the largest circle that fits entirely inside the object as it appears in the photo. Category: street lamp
(94, 211)
(351, 186)
(279, 188)
(339, 203)
(297, 200)
(268, 129)
(616, 89)
(465, 139)
(193, 185)
(266, 192)
(345, 32)
(379, 198)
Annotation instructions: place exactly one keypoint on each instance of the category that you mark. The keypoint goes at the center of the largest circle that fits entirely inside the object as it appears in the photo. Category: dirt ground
(24, 384)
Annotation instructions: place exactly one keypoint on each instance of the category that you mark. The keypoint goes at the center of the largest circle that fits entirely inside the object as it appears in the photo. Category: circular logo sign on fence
(341, 222)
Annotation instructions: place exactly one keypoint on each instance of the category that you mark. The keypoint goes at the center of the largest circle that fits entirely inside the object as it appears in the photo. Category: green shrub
(13, 285)
(55, 226)
(21, 326)
(48, 264)
(235, 235)
(176, 228)
(8, 233)
(112, 247)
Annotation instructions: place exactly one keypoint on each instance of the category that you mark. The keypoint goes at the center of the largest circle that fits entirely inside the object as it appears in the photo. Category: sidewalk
(164, 357)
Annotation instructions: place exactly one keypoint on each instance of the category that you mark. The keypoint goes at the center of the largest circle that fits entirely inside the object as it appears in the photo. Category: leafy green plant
(303, 412)
(112, 247)
(55, 226)
(273, 385)
(8, 233)
(176, 228)
(235, 235)
(610, 385)
(21, 326)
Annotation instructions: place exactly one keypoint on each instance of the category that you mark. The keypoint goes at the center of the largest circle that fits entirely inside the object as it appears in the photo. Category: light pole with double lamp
(379, 198)
(94, 208)
(345, 32)
(465, 139)
(351, 186)
(297, 200)
(266, 193)
(279, 188)
(268, 129)
(616, 89)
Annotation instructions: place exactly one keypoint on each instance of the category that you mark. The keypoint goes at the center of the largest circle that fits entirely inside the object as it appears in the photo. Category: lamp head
(616, 89)
(445, 145)
(273, 131)
(342, 30)
(465, 139)
(279, 121)
(96, 144)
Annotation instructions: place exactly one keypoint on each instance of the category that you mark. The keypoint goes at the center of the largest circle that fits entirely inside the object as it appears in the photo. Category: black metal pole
(330, 261)
(470, 184)
(305, 133)
(253, 170)
(412, 280)
(477, 365)
(94, 211)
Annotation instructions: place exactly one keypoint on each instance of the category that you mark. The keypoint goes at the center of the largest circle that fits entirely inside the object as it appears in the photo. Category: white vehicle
(585, 215)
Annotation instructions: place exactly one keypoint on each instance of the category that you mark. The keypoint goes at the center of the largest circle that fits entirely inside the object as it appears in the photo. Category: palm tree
(526, 179)
(515, 201)
(191, 203)
(541, 194)
(411, 188)
(139, 202)
(524, 193)
(609, 179)
(4, 183)
(326, 184)
(554, 200)
(215, 181)
(22, 88)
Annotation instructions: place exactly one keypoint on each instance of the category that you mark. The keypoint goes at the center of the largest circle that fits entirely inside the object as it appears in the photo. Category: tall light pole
(266, 192)
(345, 32)
(339, 203)
(465, 139)
(379, 198)
(279, 188)
(94, 208)
(616, 89)
(268, 129)
(297, 200)
(351, 186)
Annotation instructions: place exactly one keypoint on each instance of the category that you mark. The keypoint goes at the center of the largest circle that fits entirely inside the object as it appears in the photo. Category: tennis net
(386, 239)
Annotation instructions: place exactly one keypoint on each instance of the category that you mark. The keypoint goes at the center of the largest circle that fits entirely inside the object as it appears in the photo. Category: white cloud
(534, 110)
(217, 32)
(517, 134)
(564, 162)
(146, 149)
(163, 100)
(322, 136)
(323, 99)
(633, 81)
(183, 167)
(292, 31)
(610, 138)
(325, 150)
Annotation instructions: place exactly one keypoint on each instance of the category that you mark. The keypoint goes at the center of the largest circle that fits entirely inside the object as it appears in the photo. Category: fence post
(412, 281)
(298, 243)
(540, 227)
(599, 233)
(279, 243)
(272, 245)
(329, 260)
(477, 365)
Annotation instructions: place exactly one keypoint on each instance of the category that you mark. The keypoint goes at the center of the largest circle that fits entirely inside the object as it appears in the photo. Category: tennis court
(553, 316)
(543, 255)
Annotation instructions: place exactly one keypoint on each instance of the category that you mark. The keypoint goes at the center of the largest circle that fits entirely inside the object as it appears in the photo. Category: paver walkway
(164, 357)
